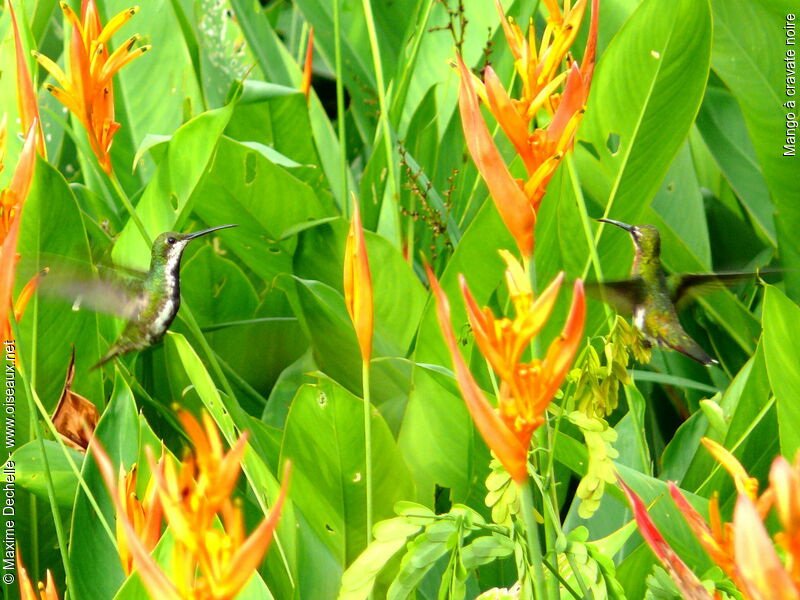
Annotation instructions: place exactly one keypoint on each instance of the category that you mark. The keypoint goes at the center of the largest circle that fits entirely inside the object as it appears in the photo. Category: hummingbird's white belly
(164, 315)
(638, 318)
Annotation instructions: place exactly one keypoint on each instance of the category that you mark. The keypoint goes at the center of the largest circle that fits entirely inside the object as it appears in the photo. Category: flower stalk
(358, 299)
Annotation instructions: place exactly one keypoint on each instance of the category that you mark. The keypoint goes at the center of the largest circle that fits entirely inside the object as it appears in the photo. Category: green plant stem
(550, 535)
(340, 116)
(129, 207)
(552, 525)
(367, 443)
(391, 177)
(532, 534)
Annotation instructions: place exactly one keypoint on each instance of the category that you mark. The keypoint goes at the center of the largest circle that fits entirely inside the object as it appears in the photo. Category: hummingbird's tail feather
(112, 352)
(688, 347)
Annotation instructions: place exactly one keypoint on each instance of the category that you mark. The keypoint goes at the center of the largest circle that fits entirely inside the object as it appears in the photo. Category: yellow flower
(209, 562)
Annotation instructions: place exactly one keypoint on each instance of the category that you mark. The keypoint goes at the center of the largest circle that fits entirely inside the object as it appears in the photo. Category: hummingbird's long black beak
(624, 226)
(197, 234)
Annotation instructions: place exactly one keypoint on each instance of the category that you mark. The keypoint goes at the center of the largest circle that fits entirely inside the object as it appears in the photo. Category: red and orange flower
(742, 548)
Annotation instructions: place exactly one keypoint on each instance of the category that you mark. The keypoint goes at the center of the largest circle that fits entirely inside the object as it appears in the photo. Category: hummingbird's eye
(171, 240)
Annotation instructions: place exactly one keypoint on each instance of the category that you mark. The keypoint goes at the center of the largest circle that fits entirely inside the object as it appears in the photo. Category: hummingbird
(653, 297)
(149, 305)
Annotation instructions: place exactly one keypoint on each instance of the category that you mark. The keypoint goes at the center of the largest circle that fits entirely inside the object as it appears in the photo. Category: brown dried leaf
(75, 417)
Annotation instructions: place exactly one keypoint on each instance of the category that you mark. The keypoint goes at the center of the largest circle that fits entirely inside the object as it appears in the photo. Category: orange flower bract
(146, 515)
(41, 591)
(26, 95)
(358, 284)
(743, 548)
(305, 80)
(11, 202)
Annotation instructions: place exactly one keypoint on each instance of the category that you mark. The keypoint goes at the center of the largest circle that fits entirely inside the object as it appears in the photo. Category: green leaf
(233, 192)
(51, 231)
(30, 475)
(165, 201)
(723, 128)
(280, 67)
(781, 349)
(219, 289)
(439, 441)
(324, 439)
(645, 95)
(757, 79)
(390, 536)
(274, 120)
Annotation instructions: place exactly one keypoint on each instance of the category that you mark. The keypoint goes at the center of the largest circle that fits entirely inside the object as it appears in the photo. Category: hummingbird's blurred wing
(688, 286)
(106, 293)
(623, 295)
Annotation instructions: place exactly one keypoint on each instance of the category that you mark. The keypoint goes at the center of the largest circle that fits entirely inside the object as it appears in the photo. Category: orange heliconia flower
(146, 516)
(26, 589)
(11, 201)
(764, 576)
(87, 90)
(543, 149)
(305, 81)
(208, 562)
(358, 284)
(526, 389)
(26, 95)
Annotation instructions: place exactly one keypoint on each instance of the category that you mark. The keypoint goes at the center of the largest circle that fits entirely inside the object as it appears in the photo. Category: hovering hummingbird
(148, 304)
(153, 308)
(652, 297)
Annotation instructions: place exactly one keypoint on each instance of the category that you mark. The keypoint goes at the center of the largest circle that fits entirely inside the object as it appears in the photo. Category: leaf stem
(33, 402)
